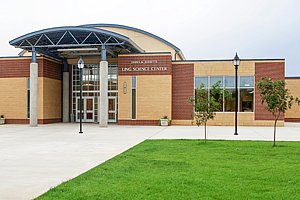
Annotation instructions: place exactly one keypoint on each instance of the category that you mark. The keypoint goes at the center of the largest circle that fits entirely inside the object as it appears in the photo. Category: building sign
(143, 69)
(144, 62)
(145, 65)
(137, 66)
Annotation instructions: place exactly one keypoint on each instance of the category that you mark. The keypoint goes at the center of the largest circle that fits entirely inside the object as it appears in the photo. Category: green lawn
(190, 169)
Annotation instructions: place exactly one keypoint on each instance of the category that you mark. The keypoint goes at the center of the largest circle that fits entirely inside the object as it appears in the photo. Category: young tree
(206, 105)
(278, 99)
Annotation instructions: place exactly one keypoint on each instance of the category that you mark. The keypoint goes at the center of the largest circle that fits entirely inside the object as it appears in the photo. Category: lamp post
(236, 63)
(80, 65)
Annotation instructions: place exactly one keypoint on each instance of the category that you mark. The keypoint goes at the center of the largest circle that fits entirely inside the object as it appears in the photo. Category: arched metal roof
(137, 30)
(49, 41)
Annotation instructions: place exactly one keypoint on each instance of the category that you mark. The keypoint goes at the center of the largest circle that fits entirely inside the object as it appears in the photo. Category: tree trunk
(205, 132)
(274, 139)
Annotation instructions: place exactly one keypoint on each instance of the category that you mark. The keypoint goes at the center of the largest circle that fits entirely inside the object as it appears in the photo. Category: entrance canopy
(71, 41)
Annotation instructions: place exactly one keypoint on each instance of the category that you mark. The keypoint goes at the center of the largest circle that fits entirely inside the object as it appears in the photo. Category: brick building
(130, 77)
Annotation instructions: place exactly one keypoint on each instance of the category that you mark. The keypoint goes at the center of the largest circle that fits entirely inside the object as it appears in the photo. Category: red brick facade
(20, 67)
(12, 68)
(51, 69)
(292, 119)
(275, 70)
(182, 89)
(26, 121)
(138, 122)
(145, 65)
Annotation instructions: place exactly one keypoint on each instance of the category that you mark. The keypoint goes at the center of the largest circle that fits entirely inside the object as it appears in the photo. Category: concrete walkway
(291, 132)
(32, 160)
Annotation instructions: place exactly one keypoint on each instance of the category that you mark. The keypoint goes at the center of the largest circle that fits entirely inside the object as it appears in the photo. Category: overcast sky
(202, 29)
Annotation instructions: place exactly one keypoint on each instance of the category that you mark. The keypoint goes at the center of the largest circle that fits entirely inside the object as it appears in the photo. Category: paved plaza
(32, 160)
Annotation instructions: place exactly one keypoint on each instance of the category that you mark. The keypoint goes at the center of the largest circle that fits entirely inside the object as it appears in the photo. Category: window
(201, 80)
(230, 102)
(217, 96)
(133, 97)
(245, 91)
(230, 81)
(216, 79)
(247, 81)
(246, 100)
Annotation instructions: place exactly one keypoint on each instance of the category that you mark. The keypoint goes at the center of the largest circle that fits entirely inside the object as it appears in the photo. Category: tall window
(133, 97)
(230, 87)
(245, 91)
(28, 97)
(218, 97)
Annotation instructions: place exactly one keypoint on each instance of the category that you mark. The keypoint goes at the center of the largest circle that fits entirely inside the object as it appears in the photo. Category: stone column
(103, 106)
(66, 89)
(65, 97)
(33, 90)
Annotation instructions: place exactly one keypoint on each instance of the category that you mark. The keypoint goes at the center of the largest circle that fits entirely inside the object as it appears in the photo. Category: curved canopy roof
(139, 31)
(53, 41)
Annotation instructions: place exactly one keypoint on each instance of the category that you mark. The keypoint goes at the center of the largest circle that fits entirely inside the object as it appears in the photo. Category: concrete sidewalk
(32, 160)
(291, 132)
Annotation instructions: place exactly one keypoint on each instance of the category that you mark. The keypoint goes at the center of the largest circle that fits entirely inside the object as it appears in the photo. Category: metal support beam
(33, 56)
(103, 53)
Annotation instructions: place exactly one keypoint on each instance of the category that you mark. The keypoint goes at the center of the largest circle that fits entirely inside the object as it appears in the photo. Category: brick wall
(52, 69)
(139, 122)
(182, 89)
(13, 95)
(12, 68)
(20, 67)
(275, 70)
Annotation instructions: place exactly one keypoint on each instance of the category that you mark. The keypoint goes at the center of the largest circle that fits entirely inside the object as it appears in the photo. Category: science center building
(130, 77)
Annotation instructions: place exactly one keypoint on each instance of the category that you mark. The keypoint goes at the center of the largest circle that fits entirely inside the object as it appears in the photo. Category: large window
(91, 86)
(245, 91)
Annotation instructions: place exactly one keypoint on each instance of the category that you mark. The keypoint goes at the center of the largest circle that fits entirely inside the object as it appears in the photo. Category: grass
(190, 169)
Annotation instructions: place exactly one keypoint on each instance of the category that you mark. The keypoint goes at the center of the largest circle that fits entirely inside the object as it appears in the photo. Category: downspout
(176, 52)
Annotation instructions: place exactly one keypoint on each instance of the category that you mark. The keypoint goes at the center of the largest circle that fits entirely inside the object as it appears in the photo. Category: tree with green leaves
(206, 104)
(278, 99)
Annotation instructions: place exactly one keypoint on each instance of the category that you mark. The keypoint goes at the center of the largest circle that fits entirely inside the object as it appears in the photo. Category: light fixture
(236, 60)
(80, 63)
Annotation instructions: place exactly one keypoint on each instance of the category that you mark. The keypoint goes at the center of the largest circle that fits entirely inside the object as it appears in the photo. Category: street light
(80, 65)
(236, 63)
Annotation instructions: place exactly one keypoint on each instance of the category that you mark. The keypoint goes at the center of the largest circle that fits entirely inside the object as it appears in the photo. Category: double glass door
(87, 109)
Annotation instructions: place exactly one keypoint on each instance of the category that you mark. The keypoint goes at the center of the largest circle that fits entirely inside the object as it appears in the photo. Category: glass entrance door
(112, 109)
(87, 109)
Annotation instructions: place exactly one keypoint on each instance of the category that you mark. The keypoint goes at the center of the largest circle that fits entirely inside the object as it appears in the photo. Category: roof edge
(216, 60)
(292, 77)
(64, 28)
(133, 29)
